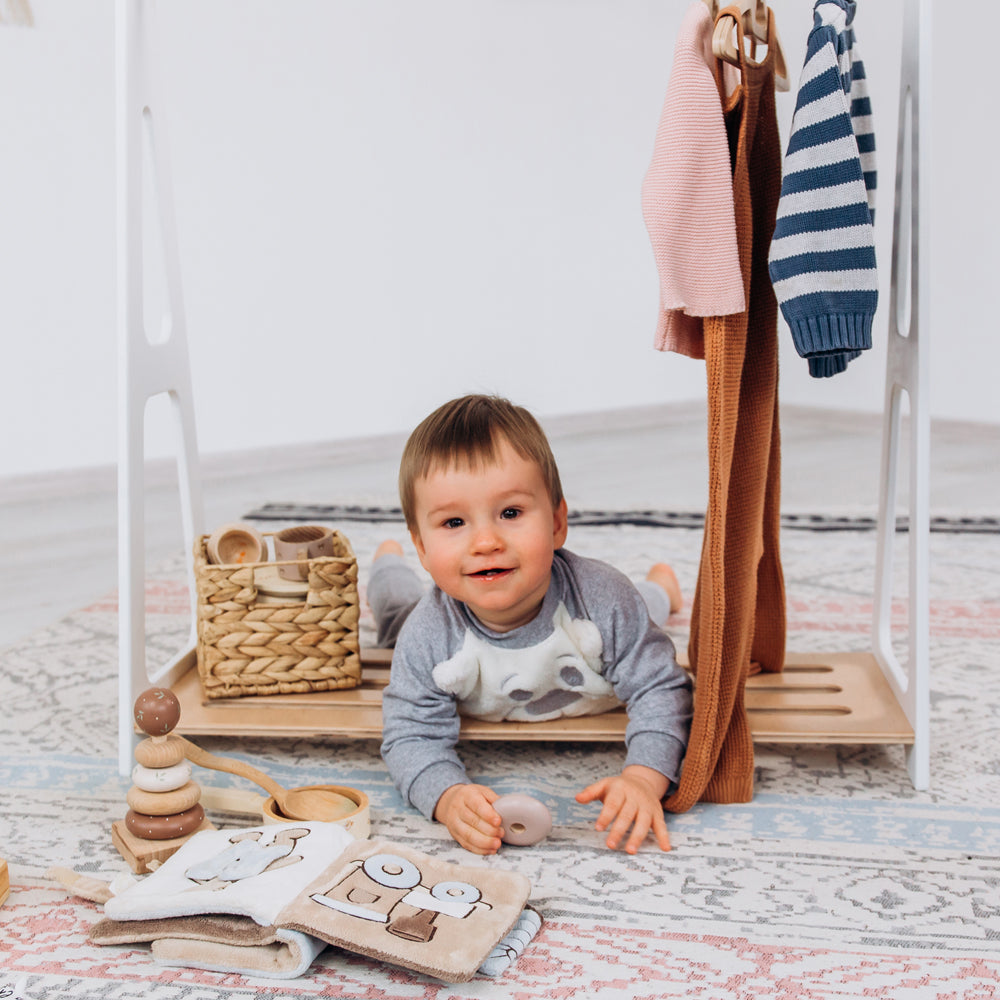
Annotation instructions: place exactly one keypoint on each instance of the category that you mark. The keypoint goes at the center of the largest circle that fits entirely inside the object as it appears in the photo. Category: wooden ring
(526, 821)
(162, 752)
(161, 779)
(164, 827)
(164, 803)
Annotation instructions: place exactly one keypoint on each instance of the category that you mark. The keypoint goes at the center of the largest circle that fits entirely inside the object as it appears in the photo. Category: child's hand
(631, 799)
(468, 813)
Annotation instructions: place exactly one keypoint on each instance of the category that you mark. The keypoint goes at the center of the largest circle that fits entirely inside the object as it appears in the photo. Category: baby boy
(516, 627)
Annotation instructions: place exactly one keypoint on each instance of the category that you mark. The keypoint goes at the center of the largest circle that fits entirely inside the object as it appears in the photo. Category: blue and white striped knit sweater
(822, 257)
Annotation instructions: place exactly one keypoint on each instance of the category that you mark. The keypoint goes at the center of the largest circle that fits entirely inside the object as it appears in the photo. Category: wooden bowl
(356, 823)
(236, 544)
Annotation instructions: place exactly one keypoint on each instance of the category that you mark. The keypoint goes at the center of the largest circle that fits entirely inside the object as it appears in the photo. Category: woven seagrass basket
(301, 645)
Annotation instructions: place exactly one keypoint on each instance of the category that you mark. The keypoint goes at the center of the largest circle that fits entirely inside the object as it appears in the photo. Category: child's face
(487, 535)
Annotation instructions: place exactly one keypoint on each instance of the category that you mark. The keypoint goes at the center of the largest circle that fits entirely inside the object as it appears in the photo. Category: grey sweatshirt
(591, 647)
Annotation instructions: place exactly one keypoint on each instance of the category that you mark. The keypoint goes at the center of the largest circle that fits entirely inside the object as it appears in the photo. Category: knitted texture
(738, 615)
(687, 197)
(822, 258)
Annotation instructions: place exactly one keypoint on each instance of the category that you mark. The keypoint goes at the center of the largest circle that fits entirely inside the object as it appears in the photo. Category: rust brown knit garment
(738, 615)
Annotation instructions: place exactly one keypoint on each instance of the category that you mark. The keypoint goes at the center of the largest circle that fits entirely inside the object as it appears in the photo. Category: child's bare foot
(662, 575)
(389, 547)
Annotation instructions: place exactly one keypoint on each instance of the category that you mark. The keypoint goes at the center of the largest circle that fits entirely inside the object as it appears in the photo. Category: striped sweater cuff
(832, 334)
(828, 365)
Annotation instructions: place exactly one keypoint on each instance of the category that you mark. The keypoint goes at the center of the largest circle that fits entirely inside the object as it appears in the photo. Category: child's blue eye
(509, 513)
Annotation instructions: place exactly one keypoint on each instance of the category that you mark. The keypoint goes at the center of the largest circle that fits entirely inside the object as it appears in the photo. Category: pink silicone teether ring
(526, 821)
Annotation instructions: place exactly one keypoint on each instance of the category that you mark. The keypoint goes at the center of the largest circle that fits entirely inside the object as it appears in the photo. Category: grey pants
(394, 589)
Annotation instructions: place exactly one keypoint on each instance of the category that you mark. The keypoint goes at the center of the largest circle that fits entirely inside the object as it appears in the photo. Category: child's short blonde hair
(466, 431)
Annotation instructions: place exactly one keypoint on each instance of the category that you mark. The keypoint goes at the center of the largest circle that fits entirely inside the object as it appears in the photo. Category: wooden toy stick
(321, 804)
(82, 885)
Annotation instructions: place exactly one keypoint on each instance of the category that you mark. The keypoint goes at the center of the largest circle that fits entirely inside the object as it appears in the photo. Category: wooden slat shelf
(827, 697)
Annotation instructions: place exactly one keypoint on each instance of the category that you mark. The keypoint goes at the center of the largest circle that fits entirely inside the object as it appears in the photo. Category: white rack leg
(907, 371)
(145, 368)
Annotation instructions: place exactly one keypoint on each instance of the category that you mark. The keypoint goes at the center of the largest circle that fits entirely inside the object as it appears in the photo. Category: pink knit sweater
(687, 197)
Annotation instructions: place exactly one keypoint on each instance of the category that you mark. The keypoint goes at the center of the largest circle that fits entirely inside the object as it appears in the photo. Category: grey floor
(58, 533)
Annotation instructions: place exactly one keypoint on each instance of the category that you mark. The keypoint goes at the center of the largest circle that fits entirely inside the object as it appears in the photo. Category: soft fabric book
(267, 900)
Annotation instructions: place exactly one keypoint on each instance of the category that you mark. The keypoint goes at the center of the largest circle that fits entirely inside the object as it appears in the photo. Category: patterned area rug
(839, 880)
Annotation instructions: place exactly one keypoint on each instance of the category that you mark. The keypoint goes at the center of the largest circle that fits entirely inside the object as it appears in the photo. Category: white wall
(381, 204)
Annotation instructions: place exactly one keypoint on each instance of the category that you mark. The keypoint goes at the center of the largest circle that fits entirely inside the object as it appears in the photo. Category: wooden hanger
(755, 17)
(16, 12)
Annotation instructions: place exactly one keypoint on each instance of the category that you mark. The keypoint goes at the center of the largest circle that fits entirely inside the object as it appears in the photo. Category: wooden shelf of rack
(818, 698)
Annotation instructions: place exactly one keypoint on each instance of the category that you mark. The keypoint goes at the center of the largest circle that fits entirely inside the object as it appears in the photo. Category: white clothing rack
(907, 371)
(147, 369)
(149, 362)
